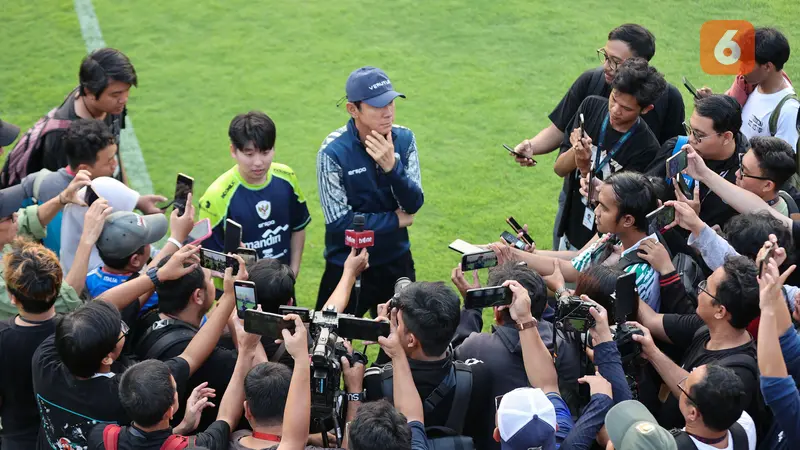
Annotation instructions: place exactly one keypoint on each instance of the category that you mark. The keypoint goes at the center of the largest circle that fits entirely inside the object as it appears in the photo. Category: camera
(623, 337)
(399, 286)
(573, 313)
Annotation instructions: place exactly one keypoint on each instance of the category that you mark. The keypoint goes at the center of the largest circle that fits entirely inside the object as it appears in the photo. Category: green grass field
(476, 73)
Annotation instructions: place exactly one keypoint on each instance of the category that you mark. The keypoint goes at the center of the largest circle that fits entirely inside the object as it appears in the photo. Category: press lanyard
(615, 148)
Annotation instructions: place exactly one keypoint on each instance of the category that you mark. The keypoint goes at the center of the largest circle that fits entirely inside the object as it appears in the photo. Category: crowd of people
(108, 342)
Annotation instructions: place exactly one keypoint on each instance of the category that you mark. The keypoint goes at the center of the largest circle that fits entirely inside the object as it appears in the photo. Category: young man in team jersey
(261, 196)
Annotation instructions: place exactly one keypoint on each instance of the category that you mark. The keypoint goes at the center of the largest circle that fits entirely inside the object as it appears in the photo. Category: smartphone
(487, 297)
(660, 218)
(245, 292)
(583, 126)
(677, 163)
(686, 190)
(480, 260)
(626, 298)
(217, 262)
(90, 196)
(517, 228)
(200, 232)
(233, 236)
(591, 193)
(183, 187)
(690, 88)
(304, 313)
(512, 240)
(266, 324)
(363, 329)
(770, 253)
(511, 150)
(464, 247)
(248, 254)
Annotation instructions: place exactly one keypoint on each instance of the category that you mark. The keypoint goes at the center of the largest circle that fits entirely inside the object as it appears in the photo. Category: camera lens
(401, 284)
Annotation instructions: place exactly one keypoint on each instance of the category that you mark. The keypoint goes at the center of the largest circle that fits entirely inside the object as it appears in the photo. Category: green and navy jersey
(268, 213)
(647, 279)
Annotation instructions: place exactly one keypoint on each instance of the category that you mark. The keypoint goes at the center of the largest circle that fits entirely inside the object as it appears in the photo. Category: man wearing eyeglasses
(726, 303)
(713, 132)
(766, 167)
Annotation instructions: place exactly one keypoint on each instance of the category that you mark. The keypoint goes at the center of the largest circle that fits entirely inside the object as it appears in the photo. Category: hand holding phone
(677, 163)
(266, 324)
(583, 126)
(658, 220)
(245, 292)
(217, 262)
(487, 297)
(233, 236)
(512, 240)
(690, 87)
(481, 260)
(90, 196)
(248, 255)
(183, 187)
(519, 155)
(517, 228)
(200, 232)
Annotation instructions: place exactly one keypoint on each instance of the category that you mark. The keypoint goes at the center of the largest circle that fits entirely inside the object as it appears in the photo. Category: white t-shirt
(758, 109)
(749, 427)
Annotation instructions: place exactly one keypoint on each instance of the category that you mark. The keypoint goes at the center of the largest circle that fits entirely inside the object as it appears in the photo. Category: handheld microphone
(359, 238)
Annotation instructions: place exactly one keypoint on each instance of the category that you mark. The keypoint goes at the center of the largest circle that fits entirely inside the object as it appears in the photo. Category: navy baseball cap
(371, 86)
(8, 133)
(11, 200)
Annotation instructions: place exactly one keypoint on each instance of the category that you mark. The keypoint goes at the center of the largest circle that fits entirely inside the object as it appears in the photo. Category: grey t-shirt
(51, 185)
(238, 435)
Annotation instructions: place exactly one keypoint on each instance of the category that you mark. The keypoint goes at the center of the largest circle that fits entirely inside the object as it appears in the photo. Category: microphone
(358, 238)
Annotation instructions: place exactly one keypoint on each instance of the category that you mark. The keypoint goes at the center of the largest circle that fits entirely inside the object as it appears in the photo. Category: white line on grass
(133, 160)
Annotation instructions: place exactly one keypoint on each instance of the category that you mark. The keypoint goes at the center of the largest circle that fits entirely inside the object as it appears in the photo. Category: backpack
(161, 336)
(773, 129)
(449, 436)
(738, 435)
(174, 442)
(26, 157)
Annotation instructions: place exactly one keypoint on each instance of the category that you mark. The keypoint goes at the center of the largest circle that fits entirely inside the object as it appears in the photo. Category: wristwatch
(529, 324)
(357, 397)
(152, 273)
(560, 291)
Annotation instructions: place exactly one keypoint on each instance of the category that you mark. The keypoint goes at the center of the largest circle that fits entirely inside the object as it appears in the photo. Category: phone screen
(660, 218)
(363, 329)
(516, 227)
(482, 260)
(248, 254)
(512, 240)
(233, 236)
(245, 292)
(90, 196)
(677, 163)
(200, 232)
(487, 297)
(583, 126)
(183, 187)
(266, 324)
(686, 190)
(217, 262)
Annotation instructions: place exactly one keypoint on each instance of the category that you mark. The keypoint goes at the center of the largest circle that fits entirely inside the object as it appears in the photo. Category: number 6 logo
(727, 47)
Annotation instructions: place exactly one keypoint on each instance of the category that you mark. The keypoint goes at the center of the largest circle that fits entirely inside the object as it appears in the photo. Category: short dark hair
(738, 291)
(528, 278)
(723, 110)
(103, 66)
(641, 80)
(719, 396)
(87, 335)
(635, 196)
(146, 392)
(173, 295)
(431, 313)
(598, 283)
(747, 233)
(378, 426)
(274, 283)
(119, 263)
(771, 47)
(84, 139)
(775, 158)
(33, 275)
(255, 127)
(661, 189)
(639, 39)
(266, 388)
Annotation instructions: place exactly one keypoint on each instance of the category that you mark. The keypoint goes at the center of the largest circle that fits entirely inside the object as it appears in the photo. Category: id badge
(588, 218)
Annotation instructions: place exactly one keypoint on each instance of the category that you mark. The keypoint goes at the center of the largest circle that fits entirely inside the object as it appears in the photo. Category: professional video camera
(327, 329)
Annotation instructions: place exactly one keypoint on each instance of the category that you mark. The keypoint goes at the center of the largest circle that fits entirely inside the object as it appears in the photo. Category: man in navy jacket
(370, 167)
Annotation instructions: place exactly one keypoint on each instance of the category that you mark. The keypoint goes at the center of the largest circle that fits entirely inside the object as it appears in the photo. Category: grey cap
(631, 426)
(125, 232)
(371, 86)
(8, 133)
(11, 199)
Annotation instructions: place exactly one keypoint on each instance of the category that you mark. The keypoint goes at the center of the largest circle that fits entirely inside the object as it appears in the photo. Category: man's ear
(233, 151)
(197, 296)
(352, 110)
(628, 221)
(647, 109)
(769, 186)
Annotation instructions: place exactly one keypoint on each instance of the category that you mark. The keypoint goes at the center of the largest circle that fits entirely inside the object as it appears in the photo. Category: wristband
(529, 324)
(357, 397)
(175, 242)
(152, 273)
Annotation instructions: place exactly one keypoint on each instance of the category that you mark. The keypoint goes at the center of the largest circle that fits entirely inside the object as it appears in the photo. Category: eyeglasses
(124, 329)
(682, 387)
(703, 286)
(12, 218)
(612, 62)
(744, 175)
(697, 137)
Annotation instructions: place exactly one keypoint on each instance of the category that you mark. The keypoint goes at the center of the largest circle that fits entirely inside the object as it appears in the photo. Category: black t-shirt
(54, 155)
(215, 437)
(428, 375)
(635, 154)
(682, 330)
(20, 416)
(665, 120)
(713, 210)
(216, 370)
(71, 407)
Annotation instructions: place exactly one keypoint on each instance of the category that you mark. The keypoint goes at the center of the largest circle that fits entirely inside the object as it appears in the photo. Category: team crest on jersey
(264, 208)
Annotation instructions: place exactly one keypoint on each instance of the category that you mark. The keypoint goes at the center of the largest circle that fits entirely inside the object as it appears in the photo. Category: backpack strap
(739, 436)
(177, 442)
(773, 118)
(177, 333)
(38, 179)
(683, 439)
(597, 82)
(461, 397)
(629, 259)
(111, 436)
